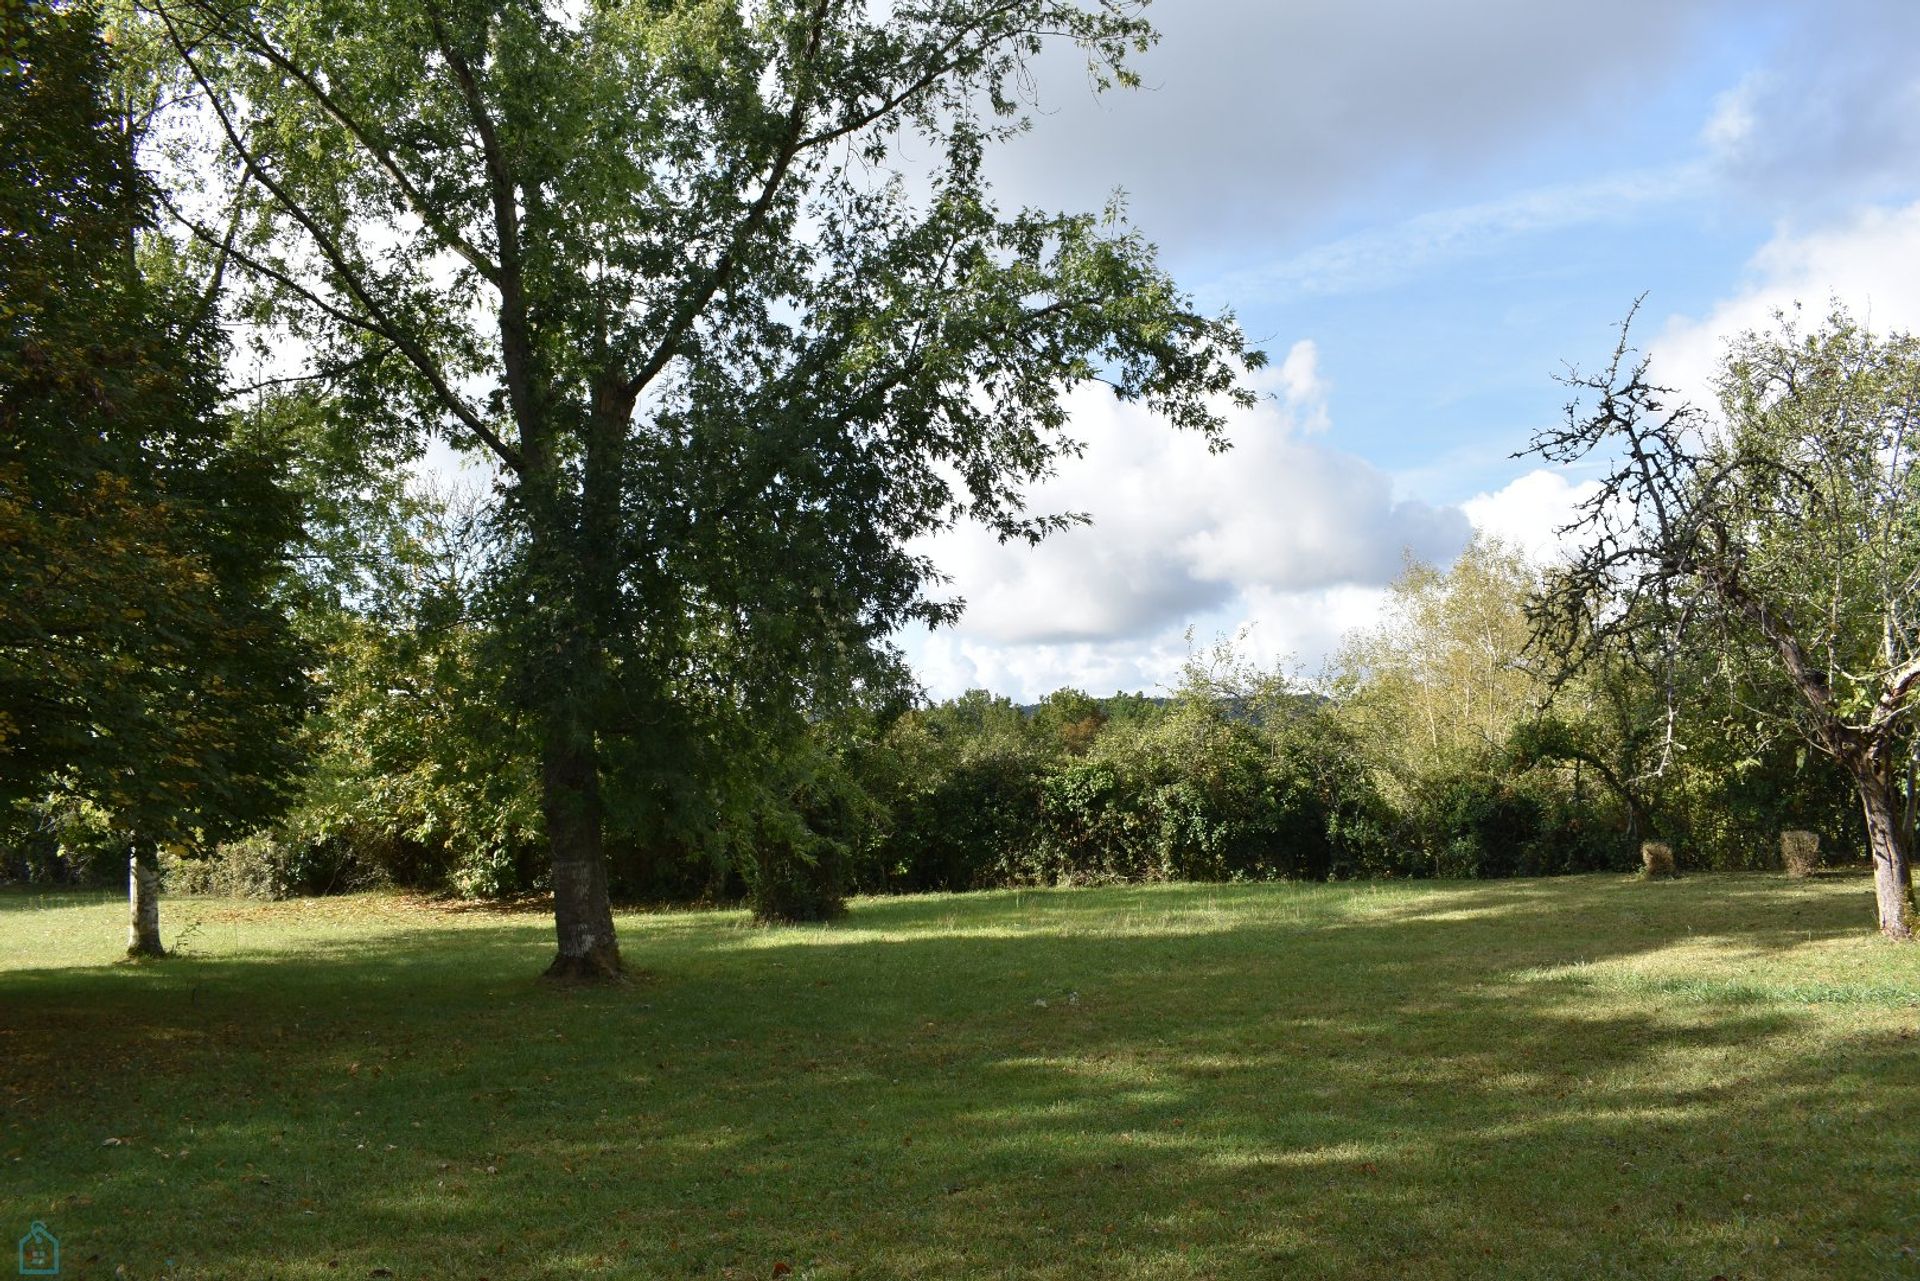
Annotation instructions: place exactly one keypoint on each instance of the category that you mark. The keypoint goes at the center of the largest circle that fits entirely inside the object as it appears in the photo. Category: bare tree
(1780, 537)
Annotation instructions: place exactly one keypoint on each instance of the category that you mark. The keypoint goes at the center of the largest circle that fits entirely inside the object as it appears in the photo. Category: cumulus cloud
(1286, 535)
(1530, 511)
(1290, 631)
(1179, 533)
(1869, 261)
(1287, 542)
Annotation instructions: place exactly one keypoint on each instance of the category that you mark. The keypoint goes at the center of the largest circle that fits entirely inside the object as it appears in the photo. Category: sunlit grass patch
(1582, 1077)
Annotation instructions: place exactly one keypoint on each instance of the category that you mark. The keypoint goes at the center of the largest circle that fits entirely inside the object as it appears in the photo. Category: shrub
(1191, 795)
(1800, 852)
(1656, 859)
(1728, 802)
(961, 803)
(794, 829)
(791, 882)
(1477, 823)
(265, 865)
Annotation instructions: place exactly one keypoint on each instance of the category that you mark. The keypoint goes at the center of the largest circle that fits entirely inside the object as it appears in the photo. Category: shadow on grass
(1167, 1081)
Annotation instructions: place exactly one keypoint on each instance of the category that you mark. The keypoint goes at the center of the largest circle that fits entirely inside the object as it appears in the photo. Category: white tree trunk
(143, 903)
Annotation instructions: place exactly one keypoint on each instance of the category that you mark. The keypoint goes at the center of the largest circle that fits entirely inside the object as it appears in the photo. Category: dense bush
(266, 866)
(62, 840)
(1081, 791)
(960, 789)
(1194, 794)
(1487, 822)
(801, 836)
(1723, 808)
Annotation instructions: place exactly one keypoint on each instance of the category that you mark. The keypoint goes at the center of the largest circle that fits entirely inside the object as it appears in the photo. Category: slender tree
(673, 268)
(1440, 678)
(1782, 534)
(145, 661)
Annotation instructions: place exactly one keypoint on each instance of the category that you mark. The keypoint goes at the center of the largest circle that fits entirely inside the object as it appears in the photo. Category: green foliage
(266, 866)
(1488, 823)
(960, 782)
(417, 770)
(794, 854)
(723, 293)
(1235, 778)
(147, 664)
(1069, 720)
(61, 839)
(1192, 796)
(1739, 786)
(1438, 682)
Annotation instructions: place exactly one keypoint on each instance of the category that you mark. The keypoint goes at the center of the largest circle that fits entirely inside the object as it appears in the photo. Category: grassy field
(1579, 1078)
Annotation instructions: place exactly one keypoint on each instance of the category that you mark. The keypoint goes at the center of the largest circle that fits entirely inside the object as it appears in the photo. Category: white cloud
(1730, 132)
(1302, 390)
(1179, 532)
(1530, 511)
(1869, 261)
(1291, 631)
(1285, 532)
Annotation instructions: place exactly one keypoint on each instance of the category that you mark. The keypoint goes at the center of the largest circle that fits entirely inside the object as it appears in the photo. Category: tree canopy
(1780, 537)
(145, 661)
(669, 268)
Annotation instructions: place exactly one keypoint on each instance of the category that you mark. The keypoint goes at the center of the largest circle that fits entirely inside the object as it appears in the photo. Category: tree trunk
(1910, 810)
(582, 915)
(143, 902)
(1892, 879)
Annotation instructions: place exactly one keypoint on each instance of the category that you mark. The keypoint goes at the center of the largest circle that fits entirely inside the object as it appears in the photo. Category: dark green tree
(145, 660)
(671, 267)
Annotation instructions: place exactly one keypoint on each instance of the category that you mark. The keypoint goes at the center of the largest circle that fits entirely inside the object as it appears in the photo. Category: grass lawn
(1581, 1078)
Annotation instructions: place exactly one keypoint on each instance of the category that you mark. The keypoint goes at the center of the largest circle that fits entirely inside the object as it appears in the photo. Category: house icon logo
(39, 1252)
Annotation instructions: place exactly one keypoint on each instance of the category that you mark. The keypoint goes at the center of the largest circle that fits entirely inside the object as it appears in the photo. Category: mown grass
(1584, 1077)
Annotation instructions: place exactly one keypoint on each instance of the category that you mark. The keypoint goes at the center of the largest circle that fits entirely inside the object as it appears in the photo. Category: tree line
(668, 278)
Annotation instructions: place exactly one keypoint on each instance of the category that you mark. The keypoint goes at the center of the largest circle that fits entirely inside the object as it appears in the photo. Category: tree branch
(756, 216)
(516, 330)
(260, 45)
(376, 321)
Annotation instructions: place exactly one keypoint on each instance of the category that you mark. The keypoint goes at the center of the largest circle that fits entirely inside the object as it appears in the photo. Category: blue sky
(1423, 210)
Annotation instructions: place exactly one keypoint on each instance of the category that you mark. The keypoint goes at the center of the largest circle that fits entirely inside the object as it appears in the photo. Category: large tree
(1781, 536)
(719, 289)
(145, 660)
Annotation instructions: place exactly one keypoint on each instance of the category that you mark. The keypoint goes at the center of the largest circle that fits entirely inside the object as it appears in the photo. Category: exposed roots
(600, 967)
